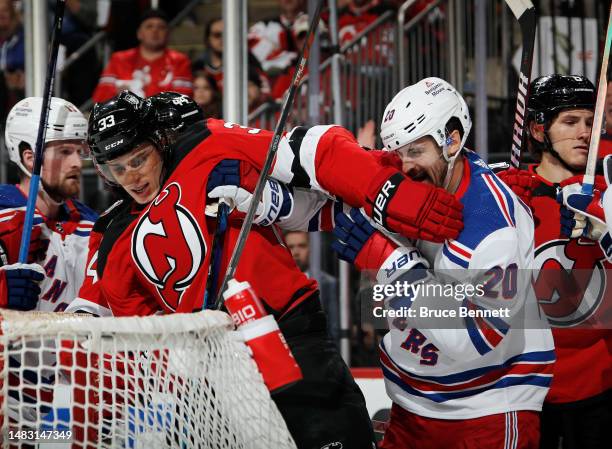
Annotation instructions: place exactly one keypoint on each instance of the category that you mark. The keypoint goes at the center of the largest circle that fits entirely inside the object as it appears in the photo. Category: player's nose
(131, 177)
(75, 160)
(410, 168)
(584, 131)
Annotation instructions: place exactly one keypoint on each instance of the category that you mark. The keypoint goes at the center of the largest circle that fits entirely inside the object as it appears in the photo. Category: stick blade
(519, 7)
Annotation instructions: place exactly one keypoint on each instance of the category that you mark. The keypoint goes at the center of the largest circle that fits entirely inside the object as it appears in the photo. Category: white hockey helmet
(65, 122)
(423, 109)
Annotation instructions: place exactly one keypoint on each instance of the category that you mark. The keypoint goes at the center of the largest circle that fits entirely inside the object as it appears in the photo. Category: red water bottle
(262, 334)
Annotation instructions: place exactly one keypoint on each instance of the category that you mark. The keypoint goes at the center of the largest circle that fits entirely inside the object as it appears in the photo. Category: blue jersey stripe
(465, 376)
(454, 258)
(505, 382)
(477, 340)
(507, 195)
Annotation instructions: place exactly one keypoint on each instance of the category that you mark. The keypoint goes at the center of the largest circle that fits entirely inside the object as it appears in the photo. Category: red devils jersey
(605, 145)
(157, 258)
(128, 70)
(572, 285)
(354, 19)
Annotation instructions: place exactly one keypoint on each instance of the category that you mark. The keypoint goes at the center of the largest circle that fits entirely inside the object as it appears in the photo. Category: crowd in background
(143, 62)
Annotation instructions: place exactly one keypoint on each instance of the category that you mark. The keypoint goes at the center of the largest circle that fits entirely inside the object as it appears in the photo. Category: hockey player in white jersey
(479, 382)
(61, 223)
(58, 247)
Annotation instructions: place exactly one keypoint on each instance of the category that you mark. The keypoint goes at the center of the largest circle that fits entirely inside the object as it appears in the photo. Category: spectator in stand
(254, 90)
(365, 332)
(211, 60)
(151, 67)
(298, 243)
(207, 95)
(357, 15)
(271, 40)
(123, 14)
(299, 30)
(12, 57)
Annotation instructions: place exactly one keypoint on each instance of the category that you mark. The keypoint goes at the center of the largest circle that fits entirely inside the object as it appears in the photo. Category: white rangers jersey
(476, 365)
(66, 257)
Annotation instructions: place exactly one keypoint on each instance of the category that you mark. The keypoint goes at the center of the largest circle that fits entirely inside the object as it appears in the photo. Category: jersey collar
(465, 180)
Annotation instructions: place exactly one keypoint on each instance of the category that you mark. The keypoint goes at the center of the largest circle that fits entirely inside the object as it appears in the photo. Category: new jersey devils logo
(168, 246)
(571, 282)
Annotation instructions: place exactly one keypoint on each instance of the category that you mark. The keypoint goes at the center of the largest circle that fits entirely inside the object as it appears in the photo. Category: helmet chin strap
(47, 197)
(556, 155)
(42, 192)
(450, 161)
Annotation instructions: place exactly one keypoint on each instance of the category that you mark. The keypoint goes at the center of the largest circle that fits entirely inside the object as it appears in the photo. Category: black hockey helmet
(117, 126)
(552, 94)
(175, 112)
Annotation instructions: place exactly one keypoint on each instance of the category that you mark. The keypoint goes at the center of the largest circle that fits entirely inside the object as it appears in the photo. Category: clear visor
(62, 149)
(412, 151)
(122, 169)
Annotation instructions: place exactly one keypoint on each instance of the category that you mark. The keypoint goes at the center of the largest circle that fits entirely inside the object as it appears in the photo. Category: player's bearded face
(422, 161)
(61, 170)
(570, 134)
(139, 172)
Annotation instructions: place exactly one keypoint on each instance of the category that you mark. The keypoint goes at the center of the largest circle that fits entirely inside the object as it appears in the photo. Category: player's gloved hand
(572, 223)
(586, 208)
(583, 214)
(359, 243)
(19, 286)
(10, 241)
(522, 183)
(413, 209)
(234, 182)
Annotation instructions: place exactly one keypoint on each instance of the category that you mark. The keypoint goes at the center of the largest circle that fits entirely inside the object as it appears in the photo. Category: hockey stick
(598, 118)
(42, 132)
(278, 131)
(524, 12)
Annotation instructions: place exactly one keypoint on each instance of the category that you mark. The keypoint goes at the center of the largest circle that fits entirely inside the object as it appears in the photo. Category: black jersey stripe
(300, 177)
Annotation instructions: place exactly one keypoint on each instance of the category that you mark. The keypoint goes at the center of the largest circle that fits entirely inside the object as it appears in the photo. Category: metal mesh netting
(176, 381)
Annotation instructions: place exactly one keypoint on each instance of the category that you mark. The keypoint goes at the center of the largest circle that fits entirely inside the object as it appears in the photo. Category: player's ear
(536, 130)
(27, 156)
(453, 142)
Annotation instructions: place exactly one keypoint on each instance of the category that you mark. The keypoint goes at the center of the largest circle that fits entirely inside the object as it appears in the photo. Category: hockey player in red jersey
(573, 285)
(162, 229)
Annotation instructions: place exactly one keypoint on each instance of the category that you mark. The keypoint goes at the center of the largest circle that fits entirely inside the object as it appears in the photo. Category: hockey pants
(326, 409)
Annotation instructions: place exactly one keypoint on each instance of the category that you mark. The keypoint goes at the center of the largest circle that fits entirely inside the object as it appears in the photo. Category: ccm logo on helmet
(113, 145)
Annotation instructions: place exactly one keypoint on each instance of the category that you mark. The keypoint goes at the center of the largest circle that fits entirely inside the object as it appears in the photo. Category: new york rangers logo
(168, 246)
(571, 282)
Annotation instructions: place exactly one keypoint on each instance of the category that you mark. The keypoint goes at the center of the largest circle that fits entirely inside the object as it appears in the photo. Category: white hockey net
(175, 381)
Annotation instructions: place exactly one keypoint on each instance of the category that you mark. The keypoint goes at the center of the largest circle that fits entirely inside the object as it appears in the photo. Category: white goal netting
(175, 381)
